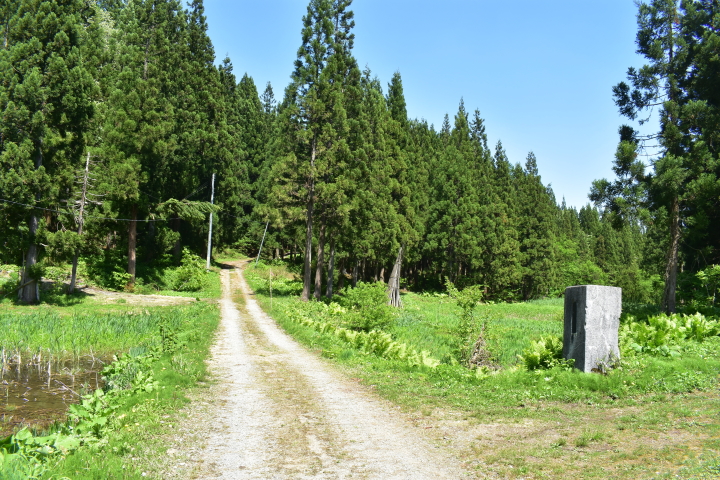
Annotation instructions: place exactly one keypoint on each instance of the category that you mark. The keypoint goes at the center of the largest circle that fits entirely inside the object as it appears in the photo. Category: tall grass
(429, 322)
(41, 335)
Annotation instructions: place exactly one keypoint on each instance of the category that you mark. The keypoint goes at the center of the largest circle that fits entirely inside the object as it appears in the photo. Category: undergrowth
(165, 276)
(525, 339)
(104, 432)
(38, 335)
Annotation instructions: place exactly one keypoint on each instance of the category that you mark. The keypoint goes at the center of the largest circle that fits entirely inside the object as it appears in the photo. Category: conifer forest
(122, 134)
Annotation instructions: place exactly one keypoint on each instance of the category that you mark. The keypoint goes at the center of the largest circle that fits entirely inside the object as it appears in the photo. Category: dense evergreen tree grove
(680, 41)
(348, 187)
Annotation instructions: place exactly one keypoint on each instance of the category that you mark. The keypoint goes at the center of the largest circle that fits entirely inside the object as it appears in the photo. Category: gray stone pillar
(592, 320)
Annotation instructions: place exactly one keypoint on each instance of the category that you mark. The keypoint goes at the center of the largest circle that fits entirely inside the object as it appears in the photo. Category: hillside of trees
(115, 115)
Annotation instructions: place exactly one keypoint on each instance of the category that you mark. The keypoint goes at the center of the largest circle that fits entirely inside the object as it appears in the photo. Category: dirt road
(278, 411)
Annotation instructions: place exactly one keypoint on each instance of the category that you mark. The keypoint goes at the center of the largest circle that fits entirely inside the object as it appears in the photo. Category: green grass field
(623, 422)
(429, 322)
(162, 350)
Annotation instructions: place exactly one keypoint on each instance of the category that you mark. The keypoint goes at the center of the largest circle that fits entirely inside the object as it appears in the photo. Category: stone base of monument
(592, 320)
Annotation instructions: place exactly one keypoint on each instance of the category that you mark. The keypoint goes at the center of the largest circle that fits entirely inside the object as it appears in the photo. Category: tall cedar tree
(233, 189)
(315, 118)
(140, 140)
(672, 38)
(199, 114)
(536, 232)
(45, 103)
(379, 223)
(415, 177)
(454, 234)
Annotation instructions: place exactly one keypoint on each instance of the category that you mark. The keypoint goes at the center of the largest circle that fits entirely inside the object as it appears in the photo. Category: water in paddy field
(37, 395)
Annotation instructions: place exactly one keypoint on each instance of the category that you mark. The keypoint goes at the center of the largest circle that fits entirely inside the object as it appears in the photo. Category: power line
(228, 215)
(197, 190)
(86, 216)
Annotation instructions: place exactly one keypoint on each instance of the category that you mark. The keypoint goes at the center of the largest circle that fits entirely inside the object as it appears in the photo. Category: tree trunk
(341, 276)
(30, 292)
(73, 277)
(672, 257)
(132, 244)
(320, 262)
(355, 275)
(308, 230)
(331, 270)
(393, 288)
(382, 275)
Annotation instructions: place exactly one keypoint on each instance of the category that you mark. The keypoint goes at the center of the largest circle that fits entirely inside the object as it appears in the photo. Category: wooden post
(212, 200)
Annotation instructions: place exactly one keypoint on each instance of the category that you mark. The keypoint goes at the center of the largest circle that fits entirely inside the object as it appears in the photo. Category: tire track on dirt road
(281, 412)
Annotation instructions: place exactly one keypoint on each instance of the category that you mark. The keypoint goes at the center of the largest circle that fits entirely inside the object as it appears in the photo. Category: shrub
(109, 270)
(367, 307)
(190, 276)
(663, 334)
(9, 283)
(471, 331)
(545, 353)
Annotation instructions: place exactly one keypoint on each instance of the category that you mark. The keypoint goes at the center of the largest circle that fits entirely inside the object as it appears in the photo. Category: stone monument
(592, 320)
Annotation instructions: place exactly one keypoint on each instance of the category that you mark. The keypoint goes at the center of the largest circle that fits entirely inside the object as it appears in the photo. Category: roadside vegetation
(653, 411)
(115, 180)
(146, 355)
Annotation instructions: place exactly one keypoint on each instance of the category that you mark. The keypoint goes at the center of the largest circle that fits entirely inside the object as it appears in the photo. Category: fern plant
(545, 353)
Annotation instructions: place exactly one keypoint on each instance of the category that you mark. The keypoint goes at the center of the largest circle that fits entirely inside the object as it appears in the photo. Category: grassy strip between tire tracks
(652, 417)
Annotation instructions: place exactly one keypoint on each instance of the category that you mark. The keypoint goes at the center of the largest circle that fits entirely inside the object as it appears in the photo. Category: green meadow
(153, 355)
(623, 420)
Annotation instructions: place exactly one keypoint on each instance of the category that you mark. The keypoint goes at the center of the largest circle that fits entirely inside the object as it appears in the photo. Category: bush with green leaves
(108, 270)
(190, 276)
(664, 335)
(324, 318)
(472, 330)
(9, 279)
(367, 307)
(700, 291)
(545, 353)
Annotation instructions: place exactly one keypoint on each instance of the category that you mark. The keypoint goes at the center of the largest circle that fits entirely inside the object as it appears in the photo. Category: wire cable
(85, 216)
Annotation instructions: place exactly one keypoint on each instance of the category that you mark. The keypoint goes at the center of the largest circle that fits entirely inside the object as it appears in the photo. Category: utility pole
(261, 243)
(83, 197)
(212, 199)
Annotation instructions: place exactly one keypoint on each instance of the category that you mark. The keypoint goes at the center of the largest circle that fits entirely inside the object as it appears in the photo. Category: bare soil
(277, 411)
(106, 296)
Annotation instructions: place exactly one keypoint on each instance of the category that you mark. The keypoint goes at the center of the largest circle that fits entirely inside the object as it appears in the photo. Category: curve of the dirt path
(280, 412)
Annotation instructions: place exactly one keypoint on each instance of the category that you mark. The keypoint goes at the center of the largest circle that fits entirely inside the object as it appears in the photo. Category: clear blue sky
(540, 73)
